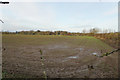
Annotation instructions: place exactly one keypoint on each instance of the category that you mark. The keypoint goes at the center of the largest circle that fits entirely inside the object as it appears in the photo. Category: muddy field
(63, 57)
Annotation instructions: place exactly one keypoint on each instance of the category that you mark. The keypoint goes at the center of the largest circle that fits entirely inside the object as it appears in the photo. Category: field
(64, 57)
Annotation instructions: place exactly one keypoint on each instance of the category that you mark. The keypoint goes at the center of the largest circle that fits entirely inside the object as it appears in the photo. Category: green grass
(39, 40)
(52, 39)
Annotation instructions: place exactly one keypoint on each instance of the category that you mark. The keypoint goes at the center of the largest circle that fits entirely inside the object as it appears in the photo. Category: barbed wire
(107, 53)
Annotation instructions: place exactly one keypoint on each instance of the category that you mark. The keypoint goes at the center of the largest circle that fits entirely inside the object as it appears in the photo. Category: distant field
(65, 57)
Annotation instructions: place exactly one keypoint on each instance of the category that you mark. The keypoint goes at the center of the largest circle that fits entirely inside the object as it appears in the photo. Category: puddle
(79, 49)
(94, 53)
(57, 47)
(71, 57)
(74, 57)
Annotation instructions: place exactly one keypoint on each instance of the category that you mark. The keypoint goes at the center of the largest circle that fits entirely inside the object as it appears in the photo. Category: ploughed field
(63, 57)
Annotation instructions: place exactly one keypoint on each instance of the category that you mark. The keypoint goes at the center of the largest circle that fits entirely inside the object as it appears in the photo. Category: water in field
(69, 58)
(74, 57)
(94, 53)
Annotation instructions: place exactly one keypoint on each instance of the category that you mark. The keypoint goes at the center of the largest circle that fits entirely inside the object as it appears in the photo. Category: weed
(42, 63)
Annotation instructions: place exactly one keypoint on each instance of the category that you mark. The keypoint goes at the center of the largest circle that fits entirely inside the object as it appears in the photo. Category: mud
(60, 60)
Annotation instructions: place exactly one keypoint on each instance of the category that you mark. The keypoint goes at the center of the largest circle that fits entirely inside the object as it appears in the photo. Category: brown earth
(60, 61)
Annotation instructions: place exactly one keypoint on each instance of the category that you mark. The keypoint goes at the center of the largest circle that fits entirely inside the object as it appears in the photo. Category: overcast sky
(66, 16)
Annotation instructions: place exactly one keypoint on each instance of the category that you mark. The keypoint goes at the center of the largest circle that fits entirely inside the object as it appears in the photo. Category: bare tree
(84, 31)
(94, 30)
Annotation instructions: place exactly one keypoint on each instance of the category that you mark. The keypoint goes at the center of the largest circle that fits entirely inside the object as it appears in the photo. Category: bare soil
(61, 60)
